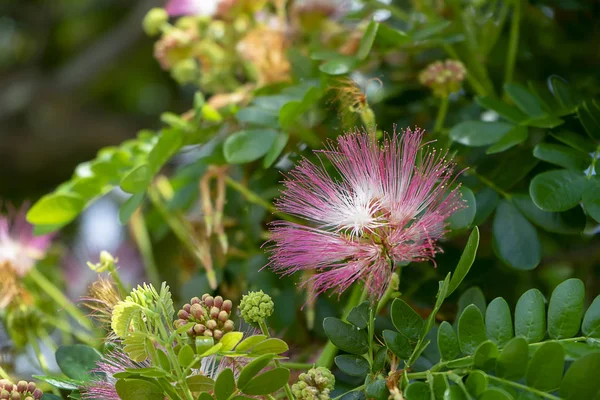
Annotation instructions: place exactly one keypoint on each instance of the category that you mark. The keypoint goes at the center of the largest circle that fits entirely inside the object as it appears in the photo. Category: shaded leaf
(512, 361)
(345, 336)
(530, 316)
(466, 261)
(546, 367)
(471, 330)
(565, 309)
(498, 322)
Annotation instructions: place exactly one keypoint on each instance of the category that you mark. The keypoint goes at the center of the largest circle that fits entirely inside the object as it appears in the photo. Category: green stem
(329, 351)
(51, 290)
(183, 233)
(513, 42)
(441, 116)
(142, 238)
(296, 365)
(4, 374)
(524, 387)
(265, 331)
(489, 183)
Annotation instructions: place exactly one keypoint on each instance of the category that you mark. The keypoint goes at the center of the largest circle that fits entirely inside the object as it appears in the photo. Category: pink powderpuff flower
(206, 8)
(19, 248)
(388, 207)
(103, 385)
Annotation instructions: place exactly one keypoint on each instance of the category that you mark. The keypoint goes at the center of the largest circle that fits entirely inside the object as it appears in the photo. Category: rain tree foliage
(526, 147)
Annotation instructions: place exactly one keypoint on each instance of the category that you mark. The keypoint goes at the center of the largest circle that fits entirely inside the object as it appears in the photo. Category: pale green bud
(316, 384)
(255, 307)
(185, 71)
(154, 20)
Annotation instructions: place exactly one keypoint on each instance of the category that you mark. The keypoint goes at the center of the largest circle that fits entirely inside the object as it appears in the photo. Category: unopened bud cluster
(316, 384)
(21, 391)
(210, 315)
(443, 77)
(255, 307)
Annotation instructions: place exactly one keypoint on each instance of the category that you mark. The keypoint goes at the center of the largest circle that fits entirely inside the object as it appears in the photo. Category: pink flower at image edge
(389, 206)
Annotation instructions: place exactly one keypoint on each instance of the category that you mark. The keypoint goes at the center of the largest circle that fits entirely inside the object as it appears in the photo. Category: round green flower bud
(316, 384)
(255, 307)
(154, 21)
(185, 71)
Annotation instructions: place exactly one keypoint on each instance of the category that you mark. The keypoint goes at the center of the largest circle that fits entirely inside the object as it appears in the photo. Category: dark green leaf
(515, 240)
(487, 199)
(268, 382)
(258, 116)
(339, 66)
(543, 122)
(447, 342)
(55, 209)
(271, 345)
(507, 111)
(359, 315)
(565, 309)
(472, 295)
(135, 389)
(200, 383)
(205, 396)
(591, 321)
(377, 390)
(589, 116)
(406, 320)
(169, 143)
(77, 361)
(471, 330)
(430, 29)
(567, 97)
(591, 198)
(454, 393)
(129, 207)
(352, 365)
(398, 344)
(390, 36)
(479, 133)
(581, 380)
(524, 99)
(575, 140)
(516, 135)
(440, 384)
(137, 179)
(61, 383)
(276, 149)
(417, 391)
(562, 156)
(366, 42)
(466, 261)
(546, 367)
(185, 355)
(512, 361)
(568, 222)
(476, 383)
(462, 219)
(498, 322)
(485, 356)
(345, 336)
(252, 369)
(530, 316)
(225, 384)
(495, 394)
(248, 145)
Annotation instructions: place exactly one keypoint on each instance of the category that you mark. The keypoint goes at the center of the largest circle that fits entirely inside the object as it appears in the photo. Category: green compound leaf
(565, 309)
(135, 389)
(417, 391)
(515, 240)
(476, 383)
(77, 361)
(447, 342)
(466, 261)
(546, 367)
(345, 336)
(137, 179)
(56, 209)
(485, 356)
(471, 330)
(557, 190)
(398, 344)
(352, 365)
(591, 321)
(248, 145)
(406, 320)
(562, 156)
(530, 316)
(591, 198)
(253, 368)
(581, 380)
(569, 222)
(268, 382)
(512, 361)
(498, 322)
(225, 384)
(479, 133)
(359, 315)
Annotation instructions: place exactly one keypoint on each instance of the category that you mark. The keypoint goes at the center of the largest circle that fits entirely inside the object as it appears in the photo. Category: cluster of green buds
(21, 391)
(210, 316)
(316, 384)
(255, 307)
(443, 77)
